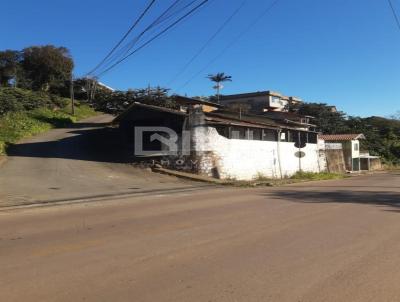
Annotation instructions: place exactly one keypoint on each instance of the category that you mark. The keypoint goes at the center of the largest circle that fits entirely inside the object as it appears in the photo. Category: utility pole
(71, 91)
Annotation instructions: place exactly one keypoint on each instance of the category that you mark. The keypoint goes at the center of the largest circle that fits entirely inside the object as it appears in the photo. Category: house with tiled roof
(354, 159)
(211, 139)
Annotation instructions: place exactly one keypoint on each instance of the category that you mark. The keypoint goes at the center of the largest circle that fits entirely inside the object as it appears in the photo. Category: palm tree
(219, 78)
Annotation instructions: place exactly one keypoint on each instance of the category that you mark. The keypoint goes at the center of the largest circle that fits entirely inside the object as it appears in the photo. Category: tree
(47, 67)
(327, 120)
(395, 116)
(218, 79)
(9, 62)
(117, 101)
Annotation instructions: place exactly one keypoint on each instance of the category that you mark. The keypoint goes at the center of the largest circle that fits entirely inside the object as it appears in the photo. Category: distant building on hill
(261, 101)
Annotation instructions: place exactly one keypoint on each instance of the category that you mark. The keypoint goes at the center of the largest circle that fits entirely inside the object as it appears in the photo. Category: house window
(270, 135)
(356, 147)
(239, 133)
(255, 134)
(312, 138)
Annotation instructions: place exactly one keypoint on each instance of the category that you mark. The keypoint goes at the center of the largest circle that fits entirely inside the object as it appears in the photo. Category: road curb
(210, 180)
(190, 176)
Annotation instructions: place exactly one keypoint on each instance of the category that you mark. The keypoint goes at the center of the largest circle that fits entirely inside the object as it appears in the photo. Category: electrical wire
(141, 16)
(200, 51)
(193, 10)
(231, 44)
(396, 17)
(125, 50)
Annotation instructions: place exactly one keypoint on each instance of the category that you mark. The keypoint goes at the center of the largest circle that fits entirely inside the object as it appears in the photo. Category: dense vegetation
(19, 124)
(17, 99)
(33, 85)
(383, 134)
(118, 101)
(38, 68)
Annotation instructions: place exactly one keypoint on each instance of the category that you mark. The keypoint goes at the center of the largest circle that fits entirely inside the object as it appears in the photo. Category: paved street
(321, 241)
(85, 161)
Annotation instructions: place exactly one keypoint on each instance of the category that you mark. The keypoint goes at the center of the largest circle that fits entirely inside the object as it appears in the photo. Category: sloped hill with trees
(34, 85)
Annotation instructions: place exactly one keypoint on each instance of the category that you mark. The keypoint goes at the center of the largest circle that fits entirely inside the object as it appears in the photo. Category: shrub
(16, 99)
(17, 125)
(58, 101)
(9, 103)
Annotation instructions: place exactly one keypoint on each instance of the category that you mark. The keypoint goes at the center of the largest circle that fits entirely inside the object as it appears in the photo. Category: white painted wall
(261, 101)
(249, 159)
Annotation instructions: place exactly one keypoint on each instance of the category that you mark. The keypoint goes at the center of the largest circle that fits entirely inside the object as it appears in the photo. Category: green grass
(316, 176)
(17, 125)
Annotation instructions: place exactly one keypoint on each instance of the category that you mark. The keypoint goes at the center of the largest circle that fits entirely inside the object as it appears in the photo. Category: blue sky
(345, 53)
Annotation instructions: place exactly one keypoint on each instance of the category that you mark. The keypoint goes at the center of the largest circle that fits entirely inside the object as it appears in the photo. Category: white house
(228, 144)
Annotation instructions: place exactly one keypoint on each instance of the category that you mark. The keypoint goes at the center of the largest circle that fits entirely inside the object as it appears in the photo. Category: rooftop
(342, 137)
(191, 101)
(221, 116)
(259, 93)
(231, 117)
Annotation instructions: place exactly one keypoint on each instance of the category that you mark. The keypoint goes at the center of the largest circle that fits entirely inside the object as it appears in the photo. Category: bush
(59, 101)
(16, 99)
(9, 103)
(17, 125)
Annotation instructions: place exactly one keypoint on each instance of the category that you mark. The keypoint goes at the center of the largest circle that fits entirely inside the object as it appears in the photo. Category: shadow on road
(379, 198)
(83, 141)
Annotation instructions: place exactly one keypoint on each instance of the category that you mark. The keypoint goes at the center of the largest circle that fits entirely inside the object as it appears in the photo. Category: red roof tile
(341, 137)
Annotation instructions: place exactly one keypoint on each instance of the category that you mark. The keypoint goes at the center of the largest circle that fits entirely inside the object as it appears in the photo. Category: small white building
(245, 150)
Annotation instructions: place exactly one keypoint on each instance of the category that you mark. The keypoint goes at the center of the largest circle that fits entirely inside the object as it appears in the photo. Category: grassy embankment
(317, 176)
(21, 124)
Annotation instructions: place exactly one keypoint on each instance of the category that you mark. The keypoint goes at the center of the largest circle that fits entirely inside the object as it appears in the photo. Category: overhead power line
(231, 44)
(200, 51)
(160, 19)
(396, 17)
(193, 10)
(141, 16)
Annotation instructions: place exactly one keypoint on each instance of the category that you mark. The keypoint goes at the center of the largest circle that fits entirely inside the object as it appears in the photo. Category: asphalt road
(321, 241)
(86, 161)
